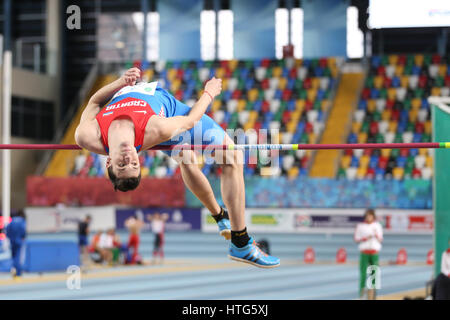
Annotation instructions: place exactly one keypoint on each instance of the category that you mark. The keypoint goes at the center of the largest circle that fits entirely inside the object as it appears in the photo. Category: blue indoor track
(197, 267)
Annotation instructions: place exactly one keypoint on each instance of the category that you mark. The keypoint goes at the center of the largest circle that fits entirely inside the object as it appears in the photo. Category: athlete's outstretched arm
(167, 128)
(86, 134)
(105, 93)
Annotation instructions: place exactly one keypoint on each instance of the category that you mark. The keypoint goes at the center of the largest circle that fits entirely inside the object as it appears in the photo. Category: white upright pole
(6, 133)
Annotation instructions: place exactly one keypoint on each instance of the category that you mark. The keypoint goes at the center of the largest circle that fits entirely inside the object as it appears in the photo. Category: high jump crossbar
(283, 147)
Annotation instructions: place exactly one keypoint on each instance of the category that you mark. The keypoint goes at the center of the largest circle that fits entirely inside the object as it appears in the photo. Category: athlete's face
(124, 162)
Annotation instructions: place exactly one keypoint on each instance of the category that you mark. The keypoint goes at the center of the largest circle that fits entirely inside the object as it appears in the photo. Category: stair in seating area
(338, 123)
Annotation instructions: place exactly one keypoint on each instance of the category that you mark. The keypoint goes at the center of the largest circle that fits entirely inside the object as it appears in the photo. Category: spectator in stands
(134, 227)
(158, 220)
(83, 235)
(16, 233)
(369, 235)
(441, 286)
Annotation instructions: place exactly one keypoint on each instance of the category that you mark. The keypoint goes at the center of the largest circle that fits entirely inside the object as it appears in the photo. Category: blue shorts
(205, 132)
(82, 240)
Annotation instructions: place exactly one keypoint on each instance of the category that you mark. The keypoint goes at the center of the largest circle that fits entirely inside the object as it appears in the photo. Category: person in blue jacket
(16, 233)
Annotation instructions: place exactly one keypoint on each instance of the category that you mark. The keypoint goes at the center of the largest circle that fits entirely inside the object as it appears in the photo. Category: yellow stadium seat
(298, 62)
(145, 171)
(293, 172)
(356, 127)
(416, 103)
(399, 70)
(393, 126)
(404, 80)
(331, 61)
(311, 94)
(386, 115)
(429, 162)
(413, 115)
(176, 83)
(398, 173)
(428, 127)
(220, 72)
(378, 82)
(296, 115)
(249, 125)
(291, 126)
(361, 173)
(300, 105)
(371, 105)
(253, 115)
(442, 70)
(364, 161)
(312, 137)
(423, 152)
(216, 105)
(333, 71)
(282, 83)
(253, 95)
(171, 74)
(148, 75)
(418, 59)
(435, 91)
(386, 152)
(393, 59)
(391, 93)
(362, 137)
(224, 84)
(233, 64)
(241, 105)
(276, 72)
(345, 161)
(315, 82)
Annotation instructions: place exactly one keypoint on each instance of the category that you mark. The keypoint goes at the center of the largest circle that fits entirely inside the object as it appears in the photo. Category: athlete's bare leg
(232, 184)
(196, 181)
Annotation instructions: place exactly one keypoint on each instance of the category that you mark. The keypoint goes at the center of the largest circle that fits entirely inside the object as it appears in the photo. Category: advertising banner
(328, 220)
(58, 219)
(179, 219)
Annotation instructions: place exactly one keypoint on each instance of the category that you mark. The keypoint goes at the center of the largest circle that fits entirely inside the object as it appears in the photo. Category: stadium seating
(393, 108)
(290, 95)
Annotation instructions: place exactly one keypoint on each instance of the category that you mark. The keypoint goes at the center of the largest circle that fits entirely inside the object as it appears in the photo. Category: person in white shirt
(158, 223)
(441, 288)
(369, 235)
(106, 245)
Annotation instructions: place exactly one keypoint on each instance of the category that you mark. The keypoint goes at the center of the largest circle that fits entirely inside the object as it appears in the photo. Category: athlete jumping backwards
(141, 116)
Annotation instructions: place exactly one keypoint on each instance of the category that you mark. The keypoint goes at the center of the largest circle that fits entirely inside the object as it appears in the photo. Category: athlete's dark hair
(123, 184)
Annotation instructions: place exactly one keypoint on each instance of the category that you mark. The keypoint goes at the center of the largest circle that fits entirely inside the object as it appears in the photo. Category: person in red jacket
(134, 227)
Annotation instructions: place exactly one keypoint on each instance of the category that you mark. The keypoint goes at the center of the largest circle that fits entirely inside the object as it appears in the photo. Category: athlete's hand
(214, 86)
(131, 76)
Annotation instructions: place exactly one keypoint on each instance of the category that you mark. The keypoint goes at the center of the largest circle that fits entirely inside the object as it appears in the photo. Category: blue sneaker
(224, 225)
(225, 228)
(252, 254)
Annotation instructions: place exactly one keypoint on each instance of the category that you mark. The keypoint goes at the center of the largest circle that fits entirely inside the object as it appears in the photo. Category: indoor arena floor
(196, 267)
